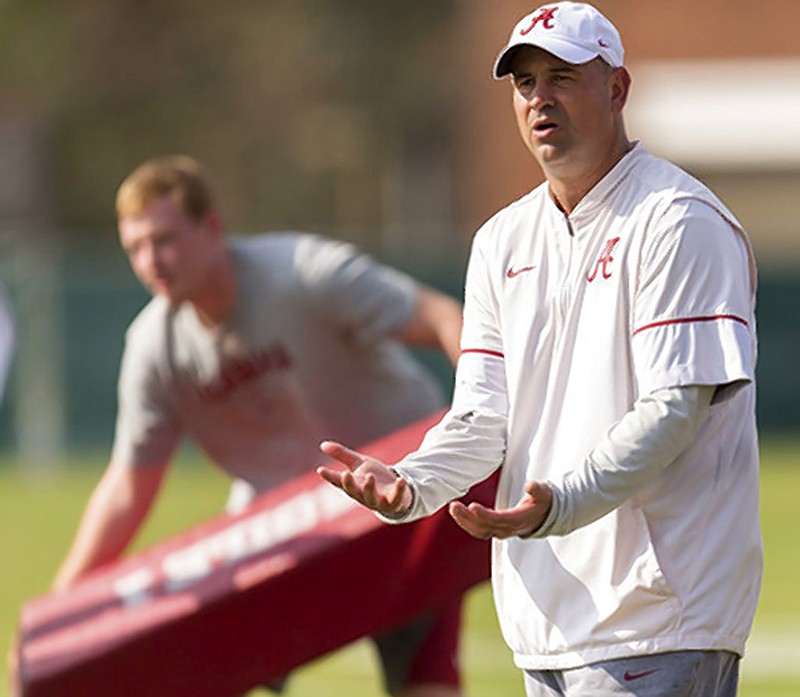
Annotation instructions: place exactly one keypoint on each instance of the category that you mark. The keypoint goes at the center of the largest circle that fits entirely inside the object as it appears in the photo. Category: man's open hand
(523, 519)
(367, 480)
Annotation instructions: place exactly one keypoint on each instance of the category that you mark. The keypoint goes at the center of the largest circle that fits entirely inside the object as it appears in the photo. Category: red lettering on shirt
(236, 373)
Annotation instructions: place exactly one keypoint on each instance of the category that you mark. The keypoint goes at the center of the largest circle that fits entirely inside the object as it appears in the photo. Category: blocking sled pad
(238, 601)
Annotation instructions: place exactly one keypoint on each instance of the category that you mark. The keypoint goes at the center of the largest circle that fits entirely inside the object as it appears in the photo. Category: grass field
(39, 511)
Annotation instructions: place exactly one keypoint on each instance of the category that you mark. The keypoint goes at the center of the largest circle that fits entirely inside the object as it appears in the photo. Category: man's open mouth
(544, 127)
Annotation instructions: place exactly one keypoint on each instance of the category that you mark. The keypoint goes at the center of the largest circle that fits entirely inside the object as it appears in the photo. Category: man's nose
(147, 258)
(539, 96)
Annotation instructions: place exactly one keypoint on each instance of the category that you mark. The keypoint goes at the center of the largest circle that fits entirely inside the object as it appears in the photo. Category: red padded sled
(238, 601)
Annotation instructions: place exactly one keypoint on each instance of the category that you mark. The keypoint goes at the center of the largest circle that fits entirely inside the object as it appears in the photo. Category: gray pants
(676, 674)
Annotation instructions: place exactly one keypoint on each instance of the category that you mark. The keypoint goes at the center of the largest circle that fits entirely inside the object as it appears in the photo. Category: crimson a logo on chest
(602, 265)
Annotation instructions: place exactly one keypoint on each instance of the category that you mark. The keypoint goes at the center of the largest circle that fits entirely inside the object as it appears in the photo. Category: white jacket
(648, 284)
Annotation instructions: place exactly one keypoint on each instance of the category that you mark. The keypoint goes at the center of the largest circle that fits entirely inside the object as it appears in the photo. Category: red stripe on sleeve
(486, 352)
(686, 320)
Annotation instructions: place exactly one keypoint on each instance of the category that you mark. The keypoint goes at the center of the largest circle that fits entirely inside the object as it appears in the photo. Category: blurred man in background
(256, 348)
(608, 365)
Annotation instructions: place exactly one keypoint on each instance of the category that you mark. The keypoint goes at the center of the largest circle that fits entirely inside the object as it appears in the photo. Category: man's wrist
(400, 515)
(544, 528)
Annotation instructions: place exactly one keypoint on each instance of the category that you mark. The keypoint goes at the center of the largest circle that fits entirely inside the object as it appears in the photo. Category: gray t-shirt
(308, 354)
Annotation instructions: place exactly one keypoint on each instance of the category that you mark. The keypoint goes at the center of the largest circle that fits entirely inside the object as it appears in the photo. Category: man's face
(567, 114)
(169, 252)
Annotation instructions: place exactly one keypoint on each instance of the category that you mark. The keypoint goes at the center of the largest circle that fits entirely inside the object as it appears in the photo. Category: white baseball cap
(573, 31)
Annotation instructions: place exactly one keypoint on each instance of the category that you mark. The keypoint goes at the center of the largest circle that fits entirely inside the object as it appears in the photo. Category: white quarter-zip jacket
(569, 321)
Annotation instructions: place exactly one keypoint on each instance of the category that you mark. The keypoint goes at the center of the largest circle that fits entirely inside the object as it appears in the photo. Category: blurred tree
(303, 110)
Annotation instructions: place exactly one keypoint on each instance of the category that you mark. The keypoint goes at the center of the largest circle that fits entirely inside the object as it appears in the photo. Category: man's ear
(213, 221)
(620, 84)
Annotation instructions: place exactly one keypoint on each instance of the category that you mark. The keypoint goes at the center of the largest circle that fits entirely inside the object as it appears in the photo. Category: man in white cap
(608, 358)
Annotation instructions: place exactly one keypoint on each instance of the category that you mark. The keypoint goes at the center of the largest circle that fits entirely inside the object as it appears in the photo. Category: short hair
(178, 176)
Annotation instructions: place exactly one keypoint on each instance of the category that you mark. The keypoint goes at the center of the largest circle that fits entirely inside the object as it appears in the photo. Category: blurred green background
(374, 122)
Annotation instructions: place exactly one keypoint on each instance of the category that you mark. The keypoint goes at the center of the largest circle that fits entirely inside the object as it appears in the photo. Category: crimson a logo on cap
(545, 16)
